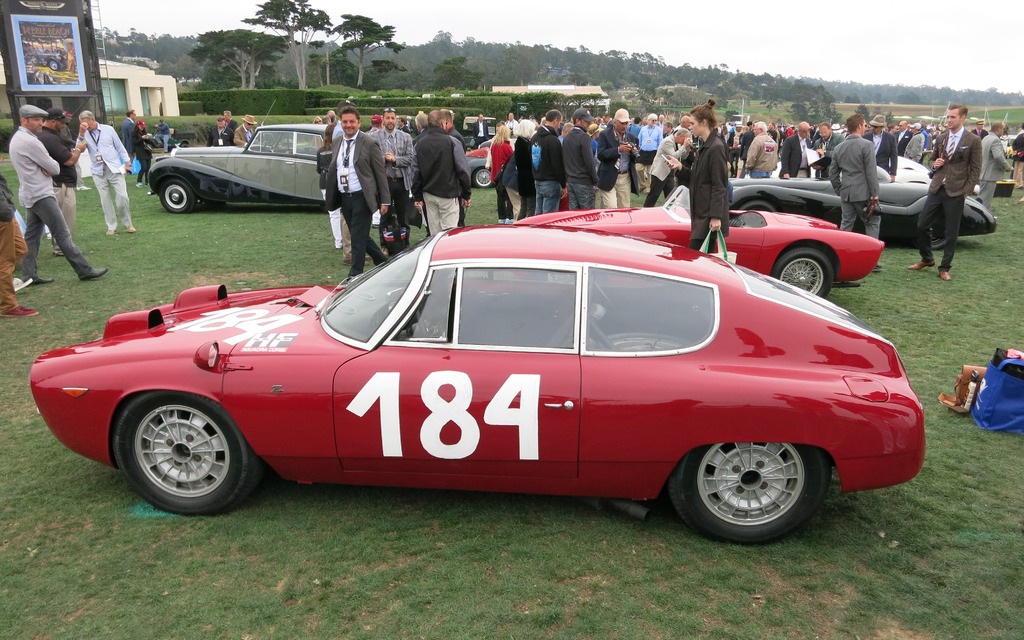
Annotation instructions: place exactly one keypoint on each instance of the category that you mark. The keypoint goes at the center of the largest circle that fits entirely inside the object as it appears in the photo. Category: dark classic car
(277, 167)
(901, 203)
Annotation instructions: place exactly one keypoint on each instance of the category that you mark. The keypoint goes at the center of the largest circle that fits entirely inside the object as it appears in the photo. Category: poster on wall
(48, 53)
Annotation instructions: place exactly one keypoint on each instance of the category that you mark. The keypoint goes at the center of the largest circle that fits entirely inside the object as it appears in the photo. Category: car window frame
(716, 310)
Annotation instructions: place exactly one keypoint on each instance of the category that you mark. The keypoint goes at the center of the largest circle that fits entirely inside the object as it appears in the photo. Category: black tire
(176, 196)
(721, 490)
(482, 178)
(183, 454)
(806, 268)
(183, 144)
(54, 65)
(758, 205)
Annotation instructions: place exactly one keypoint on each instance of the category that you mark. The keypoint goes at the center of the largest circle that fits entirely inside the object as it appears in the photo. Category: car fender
(211, 184)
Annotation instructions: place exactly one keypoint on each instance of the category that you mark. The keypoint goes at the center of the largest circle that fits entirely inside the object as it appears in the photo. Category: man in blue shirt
(163, 133)
(650, 137)
(110, 162)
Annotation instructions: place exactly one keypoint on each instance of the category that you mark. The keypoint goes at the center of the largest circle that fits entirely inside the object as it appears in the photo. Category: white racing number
(251, 323)
(384, 385)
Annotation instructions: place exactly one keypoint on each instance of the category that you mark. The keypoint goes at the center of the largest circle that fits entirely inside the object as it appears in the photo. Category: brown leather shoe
(944, 275)
(921, 264)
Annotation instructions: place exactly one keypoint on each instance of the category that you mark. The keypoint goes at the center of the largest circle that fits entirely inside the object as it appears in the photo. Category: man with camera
(617, 153)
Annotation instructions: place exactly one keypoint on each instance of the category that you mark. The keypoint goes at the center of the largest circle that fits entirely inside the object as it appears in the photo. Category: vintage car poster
(49, 53)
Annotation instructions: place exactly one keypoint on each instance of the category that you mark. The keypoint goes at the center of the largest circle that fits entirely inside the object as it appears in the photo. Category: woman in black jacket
(523, 155)
(143, 152)
(707, 179)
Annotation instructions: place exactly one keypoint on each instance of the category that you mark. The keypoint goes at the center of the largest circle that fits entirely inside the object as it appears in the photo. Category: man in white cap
(34, 167)
(650, 137)
(915, 148)
(616, 153)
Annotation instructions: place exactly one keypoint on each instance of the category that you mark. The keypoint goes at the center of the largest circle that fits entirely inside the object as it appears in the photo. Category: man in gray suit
(358, 185)
(955, 172)
(993, 163)
(855, 179)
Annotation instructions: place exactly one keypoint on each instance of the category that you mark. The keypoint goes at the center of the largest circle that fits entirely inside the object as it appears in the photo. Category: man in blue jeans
(580, 168)
(549, 170)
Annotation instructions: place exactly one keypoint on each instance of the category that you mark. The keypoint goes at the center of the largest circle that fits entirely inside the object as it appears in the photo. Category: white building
(125, 87)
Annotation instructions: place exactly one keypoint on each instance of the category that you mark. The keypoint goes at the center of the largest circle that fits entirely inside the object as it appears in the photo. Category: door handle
(567, 405)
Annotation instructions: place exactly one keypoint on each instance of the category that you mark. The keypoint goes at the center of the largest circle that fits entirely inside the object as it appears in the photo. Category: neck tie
(950, 144)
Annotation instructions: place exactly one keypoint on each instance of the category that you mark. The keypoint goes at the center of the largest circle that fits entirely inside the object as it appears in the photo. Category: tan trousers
(68, 203)
(442, 213)
(12, 249)
(1018, 174)
(618, 196)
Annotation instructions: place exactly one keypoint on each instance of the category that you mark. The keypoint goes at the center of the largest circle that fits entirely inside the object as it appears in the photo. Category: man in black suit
(885, 146)
(358, 185)
(480, 135)
(220, 136)
(903, 135)
(794, 153)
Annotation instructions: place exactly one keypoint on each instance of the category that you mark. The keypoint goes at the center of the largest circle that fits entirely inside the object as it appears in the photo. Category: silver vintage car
(278, 166)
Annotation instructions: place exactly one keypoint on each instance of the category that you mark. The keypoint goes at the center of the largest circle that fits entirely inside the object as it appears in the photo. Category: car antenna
(264, 120)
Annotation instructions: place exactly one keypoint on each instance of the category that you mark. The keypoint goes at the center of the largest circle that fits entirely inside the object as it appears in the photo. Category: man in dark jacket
(578, 156)
(616, 152)
(885, 146)
(442, 176)
(794, 153)
(549, 172)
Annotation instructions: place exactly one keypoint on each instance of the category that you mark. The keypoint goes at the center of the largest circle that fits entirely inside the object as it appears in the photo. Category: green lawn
(82, 557)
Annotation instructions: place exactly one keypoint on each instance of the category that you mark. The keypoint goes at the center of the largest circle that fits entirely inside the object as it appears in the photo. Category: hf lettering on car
(384, 385)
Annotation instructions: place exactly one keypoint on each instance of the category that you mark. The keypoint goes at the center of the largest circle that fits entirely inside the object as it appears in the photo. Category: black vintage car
(900, 203)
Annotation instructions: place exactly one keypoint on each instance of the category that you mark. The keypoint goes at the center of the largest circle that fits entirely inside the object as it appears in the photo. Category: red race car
(514, 359)
(805, 252)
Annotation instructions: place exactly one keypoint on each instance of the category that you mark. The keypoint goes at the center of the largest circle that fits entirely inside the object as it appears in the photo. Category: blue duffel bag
(999, 405)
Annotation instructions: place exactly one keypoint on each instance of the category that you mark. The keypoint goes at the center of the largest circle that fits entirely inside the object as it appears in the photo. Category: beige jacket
(763, 154)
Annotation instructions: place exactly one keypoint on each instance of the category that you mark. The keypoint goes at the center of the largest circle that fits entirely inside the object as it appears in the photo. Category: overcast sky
(903, 45)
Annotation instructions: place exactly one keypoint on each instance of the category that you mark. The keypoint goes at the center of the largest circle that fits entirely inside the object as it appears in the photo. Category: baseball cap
(582, 114)
(57, 114)
(376, 119)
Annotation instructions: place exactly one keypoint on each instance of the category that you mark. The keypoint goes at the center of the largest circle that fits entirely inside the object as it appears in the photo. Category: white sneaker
(20, 284)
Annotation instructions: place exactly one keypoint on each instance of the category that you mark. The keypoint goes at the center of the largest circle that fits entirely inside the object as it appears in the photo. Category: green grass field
(82, 557)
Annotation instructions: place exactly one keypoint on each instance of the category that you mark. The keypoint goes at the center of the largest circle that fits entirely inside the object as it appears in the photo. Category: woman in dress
(524, 198)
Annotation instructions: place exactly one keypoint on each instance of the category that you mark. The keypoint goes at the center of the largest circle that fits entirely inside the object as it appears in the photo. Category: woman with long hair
(143, 152)
(708, 178)
(501, 152)
(339, 229)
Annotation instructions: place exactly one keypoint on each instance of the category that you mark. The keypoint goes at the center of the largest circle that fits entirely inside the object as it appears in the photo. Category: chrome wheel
(805, 268)
(748, 483)
(804, 274)
(176, 196)
(184, 454)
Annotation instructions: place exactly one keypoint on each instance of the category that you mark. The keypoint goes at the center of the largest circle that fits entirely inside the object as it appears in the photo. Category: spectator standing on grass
(549, 172)
(501, 153)
(339, 229)
(1018, 159)
(399, 161)
(993, 163)
(956, 170)
(12, 250)
(126, 134)
(886, 150)
(34, 167)
(853, 176)
(673, 150)
(358, 185)
(141, 140)
(524, 195)
(708, 179)
(648, 141)
(220, 136)
(578, 156)
(66, 154)
(244, 133)
(616, 153)
(442, 176)
(110, 162)
(915, 148)
(763, 154)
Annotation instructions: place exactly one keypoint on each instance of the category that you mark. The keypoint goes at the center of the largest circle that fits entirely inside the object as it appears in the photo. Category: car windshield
(358, 311)
(678, 204)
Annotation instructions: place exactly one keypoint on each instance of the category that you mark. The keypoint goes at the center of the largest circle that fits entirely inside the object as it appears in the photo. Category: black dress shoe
(40, 280)
(92, 275)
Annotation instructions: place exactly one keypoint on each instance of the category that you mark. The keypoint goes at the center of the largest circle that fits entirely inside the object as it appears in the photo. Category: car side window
(514, 307)
(432, 320)
(276, 142)
(640, 313)
(307, 144)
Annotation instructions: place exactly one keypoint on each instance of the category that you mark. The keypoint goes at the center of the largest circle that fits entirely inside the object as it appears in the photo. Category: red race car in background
(806, 252)
(515, 359)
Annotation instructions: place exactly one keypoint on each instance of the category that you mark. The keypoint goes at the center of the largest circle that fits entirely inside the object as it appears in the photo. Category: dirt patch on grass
(893, 631)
